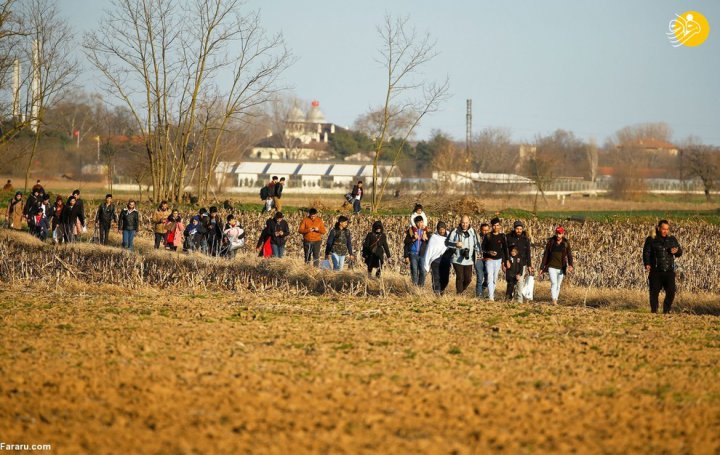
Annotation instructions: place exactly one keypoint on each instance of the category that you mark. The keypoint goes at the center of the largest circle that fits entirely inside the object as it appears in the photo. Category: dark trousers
(158, 240)
(357, 208)
(511, 284)
(312, 249)
(104, 232)
(440, 270)
(463, 277)
(658, 281)
(374, 262)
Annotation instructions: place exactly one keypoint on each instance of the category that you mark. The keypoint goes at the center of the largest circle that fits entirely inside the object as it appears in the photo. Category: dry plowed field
(101, 370)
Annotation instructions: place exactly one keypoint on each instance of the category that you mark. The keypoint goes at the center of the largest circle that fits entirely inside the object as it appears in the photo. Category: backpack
(264, 193)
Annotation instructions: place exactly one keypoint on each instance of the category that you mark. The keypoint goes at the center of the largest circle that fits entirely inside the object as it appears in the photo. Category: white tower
(16, 91)
(35, 87)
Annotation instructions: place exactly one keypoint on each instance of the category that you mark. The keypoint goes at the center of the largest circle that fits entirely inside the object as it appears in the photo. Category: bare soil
(99, 369)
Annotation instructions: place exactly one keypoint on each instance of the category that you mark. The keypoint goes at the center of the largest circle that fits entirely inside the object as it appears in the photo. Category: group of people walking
(483, 253)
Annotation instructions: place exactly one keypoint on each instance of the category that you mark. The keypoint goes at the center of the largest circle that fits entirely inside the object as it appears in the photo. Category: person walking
(277, 230)
(415, 244)
(104, 218)
(56, 224)
(70, 220)
(266, 194)
(80, 207)
(481, 272)
(495, 254)
(357, 194)
(8, 187)
(557, 261)
(518, 238)
(339, 244)
(463, 240)
(513, 272)
(16, 211)
(375, 249)
(129, 224)
(277, 194)
(659, 253)
(174, 231)
(215, 231)
(159, 221)
(312, 229)
(438, 259)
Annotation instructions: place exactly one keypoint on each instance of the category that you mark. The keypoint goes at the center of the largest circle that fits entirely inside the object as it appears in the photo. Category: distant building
(300, 174)
(305, 137)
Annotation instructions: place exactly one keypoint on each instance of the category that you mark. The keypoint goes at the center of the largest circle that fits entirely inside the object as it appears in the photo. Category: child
(235, 236)
(191, 231)
(375, 248)
(514, 273)
(418, 211)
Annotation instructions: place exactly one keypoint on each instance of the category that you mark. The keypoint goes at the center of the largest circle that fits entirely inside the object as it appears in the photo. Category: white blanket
(435, 248)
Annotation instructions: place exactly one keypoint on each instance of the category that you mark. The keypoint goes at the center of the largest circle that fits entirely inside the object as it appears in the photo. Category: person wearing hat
(659, 253)
(495, 254)
(557, 261)
(15, 211)
(375, 249)
(339, 243)
(277, 230)
(519, 238)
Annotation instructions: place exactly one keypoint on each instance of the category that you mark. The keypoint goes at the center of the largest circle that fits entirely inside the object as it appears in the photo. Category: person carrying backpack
(375, 248)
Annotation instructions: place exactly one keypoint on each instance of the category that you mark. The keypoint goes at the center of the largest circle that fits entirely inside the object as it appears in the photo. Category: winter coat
(159, 219)
(469, 240)
(15, 213)
(375, 245)
(335, 240)
(56, 214)
(357, 190)
(106, 214)
(516, 268)
(497, 243)
(656, 252)
(308, 224)
(174, 233)
(410, 239)
(522, 242)
(70, 217)
(278, 191)
(272, 228)
(567, 257)
(421, 214)
(129, 220)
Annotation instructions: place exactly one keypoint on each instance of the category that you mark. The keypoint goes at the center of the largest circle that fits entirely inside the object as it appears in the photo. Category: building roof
(296, 168)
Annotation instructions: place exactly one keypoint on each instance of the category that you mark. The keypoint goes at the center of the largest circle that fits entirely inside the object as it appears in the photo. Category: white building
(327, 175)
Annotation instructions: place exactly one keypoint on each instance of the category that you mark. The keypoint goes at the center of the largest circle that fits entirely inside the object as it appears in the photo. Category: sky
(590, 67)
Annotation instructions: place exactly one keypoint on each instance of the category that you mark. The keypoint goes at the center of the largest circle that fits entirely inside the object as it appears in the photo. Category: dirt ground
(99, 370)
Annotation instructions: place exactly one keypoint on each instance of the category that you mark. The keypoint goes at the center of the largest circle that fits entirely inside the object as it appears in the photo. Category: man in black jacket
(129, 224)
(104, 218)
(277, 230)
(659, 253)
(518, 238)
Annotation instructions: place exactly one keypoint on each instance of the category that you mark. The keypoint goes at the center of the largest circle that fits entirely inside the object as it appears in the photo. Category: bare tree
(403, 54)
(49, 44)
(703, 162)
(492, 151)
(633, 135)
(372, 122)
(163, 60)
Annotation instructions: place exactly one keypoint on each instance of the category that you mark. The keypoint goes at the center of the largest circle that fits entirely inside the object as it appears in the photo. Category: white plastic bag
(529, 288)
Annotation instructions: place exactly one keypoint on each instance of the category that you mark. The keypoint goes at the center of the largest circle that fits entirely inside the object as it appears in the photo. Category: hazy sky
(532, 66)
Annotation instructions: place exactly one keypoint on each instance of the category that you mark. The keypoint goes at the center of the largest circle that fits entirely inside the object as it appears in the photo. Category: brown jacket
(308, 224)
(159, 218)
(15, 213)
